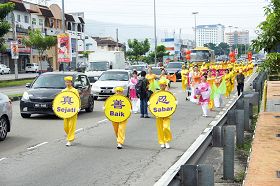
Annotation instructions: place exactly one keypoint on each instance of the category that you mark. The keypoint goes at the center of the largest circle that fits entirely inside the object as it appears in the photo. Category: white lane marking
(227, 105)
(1, 159)
(36, 146)
(78, 130)
(224, 109)
(221, 113)
(230, 101)
(249, 79)
(104, 120)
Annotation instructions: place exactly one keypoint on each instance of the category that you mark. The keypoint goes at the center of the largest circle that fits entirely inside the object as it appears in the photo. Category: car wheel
(95, 97)
(90, 104)
(25, 115)
(2, 72)
(3, 128)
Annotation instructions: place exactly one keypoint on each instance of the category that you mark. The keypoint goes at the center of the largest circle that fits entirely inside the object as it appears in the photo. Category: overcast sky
(172, 14)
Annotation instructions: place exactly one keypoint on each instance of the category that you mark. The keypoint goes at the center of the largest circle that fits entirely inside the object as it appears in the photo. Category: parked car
(104, 86)
(41, 93)
(5, 116)
(258, 62)
(174, 68)
(31, 67)
(4, 69)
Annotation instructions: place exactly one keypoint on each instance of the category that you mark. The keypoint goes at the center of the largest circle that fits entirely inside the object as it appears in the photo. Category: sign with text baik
(162, 104)
(117, 108)
(66, 104)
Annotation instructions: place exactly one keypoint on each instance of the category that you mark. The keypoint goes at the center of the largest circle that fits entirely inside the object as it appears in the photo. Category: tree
(223, 48)
(137, 49)
(5, 9)
(40, 42)
(161, 51)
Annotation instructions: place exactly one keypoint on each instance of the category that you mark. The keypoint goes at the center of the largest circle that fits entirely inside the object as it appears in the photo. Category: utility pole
(117, 36)
(63, 17)
(155, 31)
(195, 13)
(15, 39)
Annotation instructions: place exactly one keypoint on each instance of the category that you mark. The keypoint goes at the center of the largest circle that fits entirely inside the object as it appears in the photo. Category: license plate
(38, 105)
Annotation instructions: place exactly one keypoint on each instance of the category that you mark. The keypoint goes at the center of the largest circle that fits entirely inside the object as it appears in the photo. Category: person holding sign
(118, 110)
(70, 123)
(163, 104)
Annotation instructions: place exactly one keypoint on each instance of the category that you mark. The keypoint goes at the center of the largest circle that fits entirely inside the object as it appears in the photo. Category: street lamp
(236, 39)
(155, 31)
(194, 13)
(63, 16)
(15, 39)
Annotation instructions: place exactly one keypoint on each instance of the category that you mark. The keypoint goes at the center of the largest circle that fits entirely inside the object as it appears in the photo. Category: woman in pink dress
(203, 92)
(132, 91)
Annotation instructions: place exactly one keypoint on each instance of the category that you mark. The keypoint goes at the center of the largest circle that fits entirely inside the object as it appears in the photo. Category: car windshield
(114, 76)
(200, 55)
(138, 68)
(54, 81)
(29, 65)
(156, 71)
(174, 65)
(98, 66)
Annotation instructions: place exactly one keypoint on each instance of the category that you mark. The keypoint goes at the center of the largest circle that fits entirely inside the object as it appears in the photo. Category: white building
(209, 34)
(237, 37)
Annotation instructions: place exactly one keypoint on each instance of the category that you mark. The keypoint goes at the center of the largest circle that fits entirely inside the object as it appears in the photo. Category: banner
(14, 50)
(64, 48)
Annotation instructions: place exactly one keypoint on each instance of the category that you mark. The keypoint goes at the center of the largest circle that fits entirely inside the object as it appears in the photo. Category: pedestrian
(195, 80)
(70, 123)
(151, 77)
(240, 78)
(163, 124)
(132, 91)
(61, 68)
(204, 94)
(142, 93)
(119, 127)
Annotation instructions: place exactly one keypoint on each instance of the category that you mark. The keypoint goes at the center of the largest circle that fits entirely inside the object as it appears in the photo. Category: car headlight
(26, 96)
(95, 88)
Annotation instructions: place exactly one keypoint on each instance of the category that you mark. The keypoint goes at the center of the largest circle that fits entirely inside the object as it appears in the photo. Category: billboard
(64, 48)
(14, 50)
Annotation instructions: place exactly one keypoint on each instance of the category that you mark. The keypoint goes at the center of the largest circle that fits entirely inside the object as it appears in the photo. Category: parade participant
(184, 77)
(151, 78)
(163, 124)
(219, 89)
(132, 91)
(195, 80)
(70, 123)
(210, 81)
(164, 76)
(119, 127)
(240, 78)
(204, 92)
(142, 93)
(228, 79)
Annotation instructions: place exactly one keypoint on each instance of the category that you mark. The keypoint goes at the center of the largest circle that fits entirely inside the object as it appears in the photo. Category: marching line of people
(204, 86)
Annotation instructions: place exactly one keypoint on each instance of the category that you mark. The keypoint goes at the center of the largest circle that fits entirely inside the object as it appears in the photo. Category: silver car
(5, 116)
(104, 86)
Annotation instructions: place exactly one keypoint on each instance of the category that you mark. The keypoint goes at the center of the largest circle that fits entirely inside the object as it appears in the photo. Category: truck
(101, 61)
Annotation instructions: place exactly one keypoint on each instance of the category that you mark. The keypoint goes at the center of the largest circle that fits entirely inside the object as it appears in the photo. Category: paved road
(13, 90)
(94, 159)
(20, 76)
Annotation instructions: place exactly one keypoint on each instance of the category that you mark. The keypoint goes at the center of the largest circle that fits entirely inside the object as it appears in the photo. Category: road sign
(236, 51)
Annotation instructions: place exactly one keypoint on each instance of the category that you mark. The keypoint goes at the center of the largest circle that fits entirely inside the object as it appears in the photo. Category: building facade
(209, 34)
(237, 37)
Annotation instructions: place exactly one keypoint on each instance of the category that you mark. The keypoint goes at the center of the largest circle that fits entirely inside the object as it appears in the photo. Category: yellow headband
(68, 78)
(119, 89)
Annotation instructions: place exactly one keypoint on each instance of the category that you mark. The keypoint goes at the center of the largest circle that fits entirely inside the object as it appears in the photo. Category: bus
(202, 54)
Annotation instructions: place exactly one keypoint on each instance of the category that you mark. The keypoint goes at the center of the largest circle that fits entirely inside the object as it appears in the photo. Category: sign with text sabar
(66, 104)
(162, 104)
(117, 108)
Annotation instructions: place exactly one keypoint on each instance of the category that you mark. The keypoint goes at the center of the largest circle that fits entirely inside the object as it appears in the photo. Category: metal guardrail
(235, 109)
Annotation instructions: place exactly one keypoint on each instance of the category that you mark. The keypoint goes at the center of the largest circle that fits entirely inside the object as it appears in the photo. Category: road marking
(227, 105)
(221, 113)
(1, 159)
(36, 146)
(230, 101)
(79, 130)
(224, 109)
(104, 120)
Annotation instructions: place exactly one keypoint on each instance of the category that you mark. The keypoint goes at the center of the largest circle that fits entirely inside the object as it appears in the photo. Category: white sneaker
(162, 145)
(68, 144)
(119, 146)
(167, 145)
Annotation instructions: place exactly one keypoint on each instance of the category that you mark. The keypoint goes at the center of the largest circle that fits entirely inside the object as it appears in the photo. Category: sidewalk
(20, 76)
(264, 165)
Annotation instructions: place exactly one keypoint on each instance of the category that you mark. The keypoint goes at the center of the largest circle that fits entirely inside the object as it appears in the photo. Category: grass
(14, 83)
(239, 177)
(14, 95)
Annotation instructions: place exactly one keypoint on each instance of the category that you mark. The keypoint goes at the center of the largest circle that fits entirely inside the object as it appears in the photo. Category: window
(34, 22)
(57, 24)
(18, 18)
(41, 23)
(81, 80)
(51, 23)
(26, 20)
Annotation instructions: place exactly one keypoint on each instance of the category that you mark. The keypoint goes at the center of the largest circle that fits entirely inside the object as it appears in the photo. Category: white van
(31, 67)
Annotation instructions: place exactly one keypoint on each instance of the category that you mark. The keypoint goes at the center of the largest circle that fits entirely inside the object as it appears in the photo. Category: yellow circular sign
(162, 104)
(66, 104)
(117, 108)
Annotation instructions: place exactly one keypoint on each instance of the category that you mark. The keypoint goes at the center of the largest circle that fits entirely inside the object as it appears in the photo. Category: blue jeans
(144, 106)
